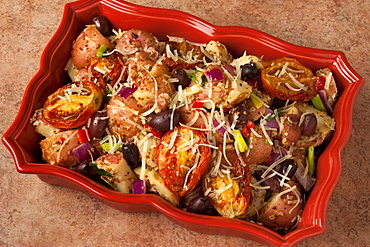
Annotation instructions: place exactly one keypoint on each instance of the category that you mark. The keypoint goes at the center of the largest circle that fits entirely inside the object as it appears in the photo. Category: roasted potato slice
(182, 159)
(72, 105)
(285, 78)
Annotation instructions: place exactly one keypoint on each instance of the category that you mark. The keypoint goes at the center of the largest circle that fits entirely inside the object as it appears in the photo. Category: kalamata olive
(98, 124)
(240, 113)
(103, 25)
(162, 120)
(182, 76)
(309, 124)
(131, 153)
(199, 205)
(273, 182)
(284, 166)
(82, 168)
(89, 171)
(249, 71)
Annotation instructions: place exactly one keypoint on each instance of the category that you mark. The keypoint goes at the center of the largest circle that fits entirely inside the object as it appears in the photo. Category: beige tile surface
(33, 213)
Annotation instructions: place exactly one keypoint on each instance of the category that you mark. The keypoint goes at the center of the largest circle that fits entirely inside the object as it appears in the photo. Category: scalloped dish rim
(314, 214)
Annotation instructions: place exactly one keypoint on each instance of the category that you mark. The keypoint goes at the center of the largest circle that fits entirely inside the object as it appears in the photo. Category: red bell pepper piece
(155, 132)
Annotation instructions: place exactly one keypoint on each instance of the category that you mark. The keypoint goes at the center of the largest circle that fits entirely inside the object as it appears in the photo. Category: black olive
(249, 71)
(283, 168)
(131, 153)
(98, 124)
(162, 120)
(182, 76)
(82, 168)
(309, 124)
(199, 205)
(273, 182)
(103, 25)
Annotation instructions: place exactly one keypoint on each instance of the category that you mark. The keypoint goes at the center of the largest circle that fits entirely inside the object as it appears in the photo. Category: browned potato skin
(292, 131)
(259, 151)
(138, 67)
(87, 45)
(186, 115)
(276, 214)
(138, 39)
(118, 116)
(57, 149)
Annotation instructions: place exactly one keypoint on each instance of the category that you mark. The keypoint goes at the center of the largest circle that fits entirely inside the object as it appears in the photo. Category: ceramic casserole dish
(22, 140)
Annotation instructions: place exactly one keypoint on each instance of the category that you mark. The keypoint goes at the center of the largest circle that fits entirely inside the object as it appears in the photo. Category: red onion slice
(214, 75)
(82, 152)
(307, 181)
(273, 124)
(138, 187)
(277, 153)
(220, 130)
(325, 102)
(126, 92)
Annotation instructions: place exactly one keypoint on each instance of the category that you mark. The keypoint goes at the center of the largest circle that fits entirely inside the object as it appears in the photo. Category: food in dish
(209, 133)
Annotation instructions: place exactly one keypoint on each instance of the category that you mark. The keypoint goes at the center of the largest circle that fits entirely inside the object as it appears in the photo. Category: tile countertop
(33, 213)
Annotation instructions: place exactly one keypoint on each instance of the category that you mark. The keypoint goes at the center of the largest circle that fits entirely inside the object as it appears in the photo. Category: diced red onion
(275, 155)
(221, 130)
(139, 187)
(82, 152)
(271, 124)
(307, 181)
(214, 74)
(126, 92)
(325, 102)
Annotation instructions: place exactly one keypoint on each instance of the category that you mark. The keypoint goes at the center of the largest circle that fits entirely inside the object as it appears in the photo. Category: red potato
(259, 149)
(291, 131)
(121, 174)
(282, 209)
(124, 118)
(188, 115)
(57, 149)
(249, 110)
(218, 52)
(156, 184)
(138, 40)
(224, 93)
(87, 45)
(152, 82)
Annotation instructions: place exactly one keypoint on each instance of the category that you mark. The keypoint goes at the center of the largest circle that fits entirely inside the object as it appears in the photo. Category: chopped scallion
(317, 103)
(239, 139)
(311, 160)
(101, 50)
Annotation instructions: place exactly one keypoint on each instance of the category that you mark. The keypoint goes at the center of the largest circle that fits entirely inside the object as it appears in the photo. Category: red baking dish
(23, 142)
